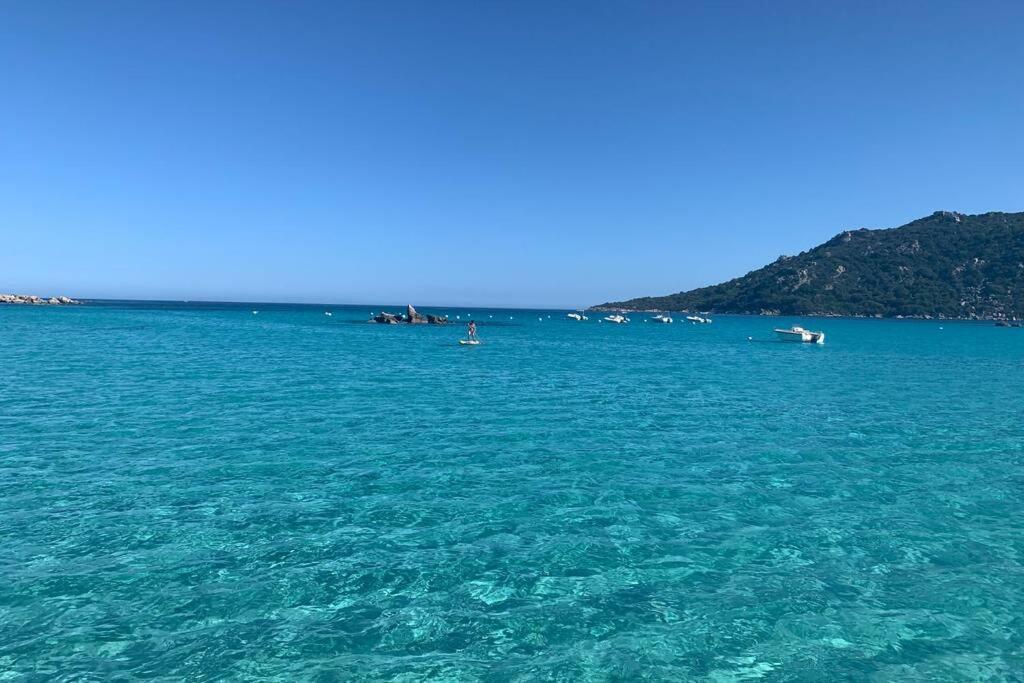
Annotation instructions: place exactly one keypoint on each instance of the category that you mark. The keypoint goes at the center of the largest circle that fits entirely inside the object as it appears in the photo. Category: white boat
(661, 319)
(698, 320)
(617, 319)
(578, 317)
(799, 334)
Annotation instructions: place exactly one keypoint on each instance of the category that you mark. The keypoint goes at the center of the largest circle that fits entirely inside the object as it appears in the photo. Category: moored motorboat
(799, 334)
(660, 318)
(578, 317)
(616, 318)
(698, 320)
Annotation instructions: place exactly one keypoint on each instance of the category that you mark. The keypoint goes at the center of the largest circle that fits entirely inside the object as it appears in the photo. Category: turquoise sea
(195, 492)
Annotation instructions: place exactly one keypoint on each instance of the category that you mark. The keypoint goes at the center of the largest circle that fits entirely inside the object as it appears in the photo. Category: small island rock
(412, 317)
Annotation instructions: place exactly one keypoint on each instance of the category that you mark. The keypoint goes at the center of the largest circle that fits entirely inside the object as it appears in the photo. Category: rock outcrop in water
(32, 299)
(411, 317)
(385, 318)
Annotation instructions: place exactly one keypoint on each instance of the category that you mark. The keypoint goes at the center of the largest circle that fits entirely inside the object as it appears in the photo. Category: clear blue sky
(514, 153)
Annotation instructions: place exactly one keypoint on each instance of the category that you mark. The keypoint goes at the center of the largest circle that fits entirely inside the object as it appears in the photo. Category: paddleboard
(470, 342)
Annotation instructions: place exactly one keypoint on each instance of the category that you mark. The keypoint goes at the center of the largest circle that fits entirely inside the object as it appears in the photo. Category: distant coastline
(34, 300)
(946, 266)
(604, 308)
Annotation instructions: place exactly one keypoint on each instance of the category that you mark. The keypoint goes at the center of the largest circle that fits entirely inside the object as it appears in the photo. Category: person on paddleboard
(472, 330)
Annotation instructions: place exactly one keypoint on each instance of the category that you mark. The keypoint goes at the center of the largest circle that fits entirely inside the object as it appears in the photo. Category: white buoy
(255, 312)
(750, 339)
(328, 313)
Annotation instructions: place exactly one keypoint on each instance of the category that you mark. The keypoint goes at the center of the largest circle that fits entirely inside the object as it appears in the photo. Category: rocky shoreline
(33, 300)
(805, 314)
(411, 317)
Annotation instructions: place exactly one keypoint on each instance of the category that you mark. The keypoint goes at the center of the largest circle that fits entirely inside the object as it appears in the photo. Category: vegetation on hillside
(945, 265)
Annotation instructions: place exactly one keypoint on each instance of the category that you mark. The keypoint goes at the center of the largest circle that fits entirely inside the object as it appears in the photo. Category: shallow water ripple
(201, 493)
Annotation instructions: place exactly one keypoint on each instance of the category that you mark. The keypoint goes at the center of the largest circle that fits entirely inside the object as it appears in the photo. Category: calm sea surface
(201, 493)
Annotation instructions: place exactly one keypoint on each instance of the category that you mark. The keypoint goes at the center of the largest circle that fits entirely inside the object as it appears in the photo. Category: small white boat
(617, 319)
(698, 320)
(799, 334)
(578, 317)
(661, 319)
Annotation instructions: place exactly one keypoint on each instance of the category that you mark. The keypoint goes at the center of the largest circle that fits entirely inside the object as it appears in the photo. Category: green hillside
(945, 265)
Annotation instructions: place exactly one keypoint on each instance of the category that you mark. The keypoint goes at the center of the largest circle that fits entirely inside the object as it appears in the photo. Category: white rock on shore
(38, 300)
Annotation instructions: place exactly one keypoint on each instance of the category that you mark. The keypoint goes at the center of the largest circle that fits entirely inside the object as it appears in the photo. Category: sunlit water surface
(200, 492)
